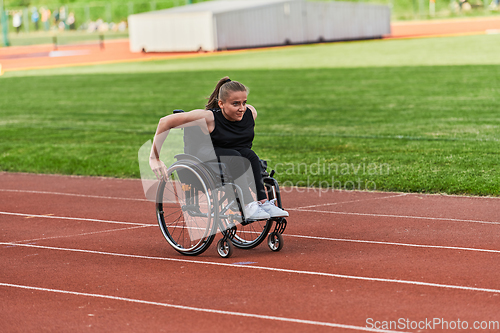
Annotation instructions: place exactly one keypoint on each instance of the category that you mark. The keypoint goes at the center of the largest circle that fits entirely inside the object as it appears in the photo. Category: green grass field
(415, 115)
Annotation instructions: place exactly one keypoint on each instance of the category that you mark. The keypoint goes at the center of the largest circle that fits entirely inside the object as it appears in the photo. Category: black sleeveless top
(232, 134)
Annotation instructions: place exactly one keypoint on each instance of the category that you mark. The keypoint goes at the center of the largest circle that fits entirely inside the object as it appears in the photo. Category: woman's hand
(158, 168)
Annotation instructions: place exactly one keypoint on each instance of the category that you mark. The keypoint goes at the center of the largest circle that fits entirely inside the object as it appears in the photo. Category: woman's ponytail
(222, 89)
(214, 98)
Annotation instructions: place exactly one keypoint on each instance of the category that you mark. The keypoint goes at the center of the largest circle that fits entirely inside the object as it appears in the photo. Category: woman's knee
(249, 154)
(227, 152)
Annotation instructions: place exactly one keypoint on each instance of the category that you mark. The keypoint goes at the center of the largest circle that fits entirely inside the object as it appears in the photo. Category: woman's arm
(165, 125)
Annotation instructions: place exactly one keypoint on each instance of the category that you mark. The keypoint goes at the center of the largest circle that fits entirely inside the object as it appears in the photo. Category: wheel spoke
(185, 221)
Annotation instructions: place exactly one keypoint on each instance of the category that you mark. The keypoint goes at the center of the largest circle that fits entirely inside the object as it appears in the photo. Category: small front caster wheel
(275, 241)
(224, 248)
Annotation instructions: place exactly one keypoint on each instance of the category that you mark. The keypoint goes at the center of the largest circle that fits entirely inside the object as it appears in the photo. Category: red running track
(429, 28)
(81, 254)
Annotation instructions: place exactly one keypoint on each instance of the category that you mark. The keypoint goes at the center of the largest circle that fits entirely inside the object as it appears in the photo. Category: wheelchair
(199, 198)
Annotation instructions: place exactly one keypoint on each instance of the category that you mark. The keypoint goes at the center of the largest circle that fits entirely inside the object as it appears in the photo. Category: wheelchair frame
(204, 205)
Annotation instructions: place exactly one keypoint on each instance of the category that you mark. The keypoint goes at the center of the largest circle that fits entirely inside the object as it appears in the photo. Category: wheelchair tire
(246, 236)
(250, 235)
(275, 241)
(224, 248)
(185, 208)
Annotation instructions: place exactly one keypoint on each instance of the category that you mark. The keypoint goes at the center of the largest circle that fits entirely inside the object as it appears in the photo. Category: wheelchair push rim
(185, 209)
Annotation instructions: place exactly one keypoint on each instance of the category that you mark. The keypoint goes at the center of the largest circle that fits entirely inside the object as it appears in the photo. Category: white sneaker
(254, 211)
(273, 210)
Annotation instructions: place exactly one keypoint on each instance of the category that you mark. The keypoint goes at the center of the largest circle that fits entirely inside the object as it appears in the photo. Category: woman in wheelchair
(230, 122)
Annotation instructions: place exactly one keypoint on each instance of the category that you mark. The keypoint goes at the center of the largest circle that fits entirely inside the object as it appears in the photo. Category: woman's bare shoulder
(254, 111)
(183, 118)
(196, 115)
(199, 114)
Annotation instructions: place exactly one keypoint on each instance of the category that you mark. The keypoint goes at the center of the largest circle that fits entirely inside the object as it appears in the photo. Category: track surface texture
(85, 254)
(478, 25)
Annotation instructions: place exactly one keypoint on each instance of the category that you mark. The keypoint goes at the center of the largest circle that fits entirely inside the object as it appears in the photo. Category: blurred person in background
(17, 20)
(56, 17)
(71, 21)
(35, 17)
(62, 18)
(45, 18)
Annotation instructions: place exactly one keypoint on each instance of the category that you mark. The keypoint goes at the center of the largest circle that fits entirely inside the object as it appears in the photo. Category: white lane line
(286, 235)
(395, 216)
(73, 195)
(352, 201)
(272, 269)
(395, 243)
(302, 209)
(205, 310)
(68, 53)
(83, 234)
(74, 218)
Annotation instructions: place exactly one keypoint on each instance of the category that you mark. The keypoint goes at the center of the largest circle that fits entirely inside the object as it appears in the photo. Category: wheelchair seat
(198, 149)
(219, 171)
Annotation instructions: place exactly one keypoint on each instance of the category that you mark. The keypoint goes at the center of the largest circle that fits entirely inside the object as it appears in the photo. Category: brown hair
(222, 90)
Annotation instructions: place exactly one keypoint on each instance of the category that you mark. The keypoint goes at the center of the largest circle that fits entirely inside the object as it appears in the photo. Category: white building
(232, 24)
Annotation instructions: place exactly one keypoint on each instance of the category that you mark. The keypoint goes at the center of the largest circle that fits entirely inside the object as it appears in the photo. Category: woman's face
(235, 105)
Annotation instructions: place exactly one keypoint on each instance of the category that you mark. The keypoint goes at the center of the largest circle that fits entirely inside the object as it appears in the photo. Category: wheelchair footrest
(230, 233)
(248, 221)
(280, 225)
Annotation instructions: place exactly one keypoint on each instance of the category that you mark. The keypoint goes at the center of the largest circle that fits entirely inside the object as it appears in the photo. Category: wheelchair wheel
(185, 208)
(275, 241)
(247, 236)
(224, 248)
(250, 235)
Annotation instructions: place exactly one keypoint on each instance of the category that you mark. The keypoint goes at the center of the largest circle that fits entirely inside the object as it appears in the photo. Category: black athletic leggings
(237, 167)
